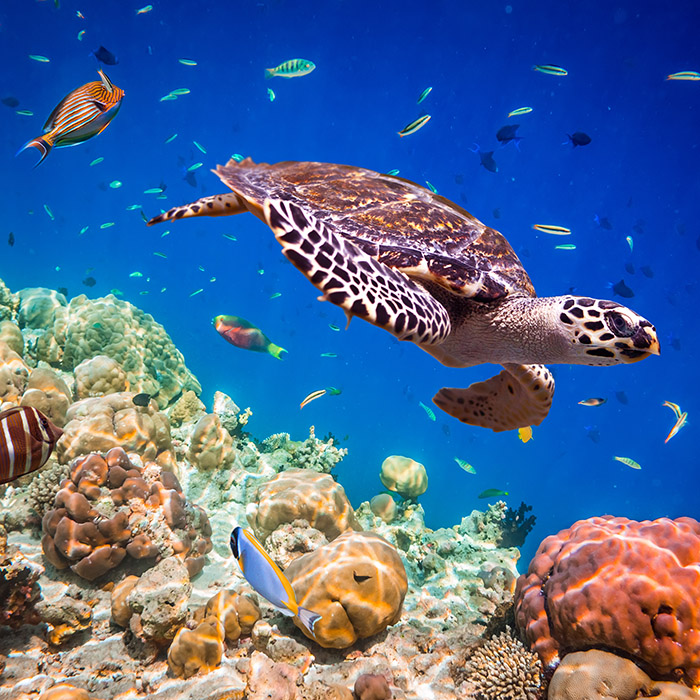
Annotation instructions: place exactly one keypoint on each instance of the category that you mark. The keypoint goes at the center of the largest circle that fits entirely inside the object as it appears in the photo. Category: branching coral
(515, 526)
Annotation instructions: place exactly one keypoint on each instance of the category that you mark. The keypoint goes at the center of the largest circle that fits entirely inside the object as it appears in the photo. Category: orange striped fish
(80, 115)
(27, 439)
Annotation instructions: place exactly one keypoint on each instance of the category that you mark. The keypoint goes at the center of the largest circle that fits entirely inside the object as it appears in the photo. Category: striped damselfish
(27, 439)
(80, 115)
(294, 68)
(267, 578)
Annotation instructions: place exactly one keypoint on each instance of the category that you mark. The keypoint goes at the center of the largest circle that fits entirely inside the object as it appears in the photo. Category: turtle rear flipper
(519, 396)
(350, 278)
(216, 205)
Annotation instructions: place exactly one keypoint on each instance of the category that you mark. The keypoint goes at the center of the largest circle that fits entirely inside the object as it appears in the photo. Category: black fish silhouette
(622, 290)
(11, 239)
(10, 101)
(105, 56)
(579, 138)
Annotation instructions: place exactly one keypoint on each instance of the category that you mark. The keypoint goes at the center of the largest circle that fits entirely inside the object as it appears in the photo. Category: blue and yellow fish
(79, 116)
(267, 578)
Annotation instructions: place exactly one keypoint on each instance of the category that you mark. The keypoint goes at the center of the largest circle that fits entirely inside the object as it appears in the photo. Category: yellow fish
(554, 230)
(629, 462)
(525, 434)
(312, 397)
(80, 115)
(414, 125)
(519, 111)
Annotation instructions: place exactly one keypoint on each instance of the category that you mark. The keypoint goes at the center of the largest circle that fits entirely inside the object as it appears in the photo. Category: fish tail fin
(308, 619)
(276, 351)
(269, 73)
(43, 144)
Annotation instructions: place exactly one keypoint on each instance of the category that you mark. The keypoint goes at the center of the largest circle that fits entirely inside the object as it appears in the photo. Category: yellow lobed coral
(404, 475)
(301, 494)
(98, 376)
(210, 444)
(503, 669)
(14, 374)
(63, 691)
(48, 393)
(198, 649)
(357, 583)
(237, 613)
(99, 424)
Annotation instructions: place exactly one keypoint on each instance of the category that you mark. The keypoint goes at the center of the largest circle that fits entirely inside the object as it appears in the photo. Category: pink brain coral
(620, 584)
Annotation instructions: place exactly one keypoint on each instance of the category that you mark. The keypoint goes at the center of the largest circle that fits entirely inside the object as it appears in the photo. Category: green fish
(431, 187)
(180, 91)
(492, 493)
(187, 61)
(414, 125)
(40, 59)
(333, 391)
(428, 411)
(115, 184)
(200, 147)
(154, 190)
(25, 112)
(333, 327)
(465, 465)
(116, 292)
(628, 462)
(271, 94)
(160, 255)
(109, 224)
(196, 291)
(329, 354)
(550, 69)
(194, 167)
(275, 295)
(243, 334)
(136, 274)
(424, 94)
(49, 212)
(229, 236)
(519, 111)
(394, 172)
(96, 161)
(294, 68)
(565, 246)
(237, 157)
(170, 139)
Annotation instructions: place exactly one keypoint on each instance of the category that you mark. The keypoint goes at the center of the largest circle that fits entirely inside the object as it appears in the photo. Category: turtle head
(606, 333)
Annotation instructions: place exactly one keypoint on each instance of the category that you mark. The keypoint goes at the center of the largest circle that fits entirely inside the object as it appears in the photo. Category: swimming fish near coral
(142, 399)
(550, 69)
(622, 290)
(312, 397)
(267, 578)
(519, 111)
(627, 461)
(579, 138)
(424, 94)
(681, 419)
(414, 125)
(27, 439)
(465, 465)
(294, 68)
(243, 334)
(492, 493)
(105, 56)
(525, 434)
(428, 411)
(554, 230)
(79, 116)
(592, 402)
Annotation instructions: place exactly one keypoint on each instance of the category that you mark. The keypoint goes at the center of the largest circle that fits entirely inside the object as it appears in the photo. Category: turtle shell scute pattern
(394, 220)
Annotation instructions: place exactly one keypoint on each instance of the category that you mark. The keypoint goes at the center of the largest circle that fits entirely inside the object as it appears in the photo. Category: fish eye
(619, 324)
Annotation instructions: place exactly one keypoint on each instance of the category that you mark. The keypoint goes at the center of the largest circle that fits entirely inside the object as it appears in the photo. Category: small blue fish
(267, 578)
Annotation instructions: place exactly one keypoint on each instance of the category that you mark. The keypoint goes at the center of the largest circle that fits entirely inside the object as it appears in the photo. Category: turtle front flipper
(216, 205)
(519, 396)
(352, 279)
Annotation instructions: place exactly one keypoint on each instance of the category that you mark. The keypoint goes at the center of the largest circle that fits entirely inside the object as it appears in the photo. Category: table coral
(101, 423)
(620, 584)
(110, 507)
(404, 475)
(48, 393)
(357, 583)
(301, 494)
(98, 376)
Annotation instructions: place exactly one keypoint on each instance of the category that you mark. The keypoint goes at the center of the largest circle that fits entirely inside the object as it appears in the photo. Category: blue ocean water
(640, 173)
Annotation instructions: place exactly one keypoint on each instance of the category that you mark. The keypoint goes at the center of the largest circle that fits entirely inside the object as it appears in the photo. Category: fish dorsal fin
(106, 82)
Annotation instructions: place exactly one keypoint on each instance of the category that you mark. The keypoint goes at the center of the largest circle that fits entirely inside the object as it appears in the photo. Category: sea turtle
(421, 267)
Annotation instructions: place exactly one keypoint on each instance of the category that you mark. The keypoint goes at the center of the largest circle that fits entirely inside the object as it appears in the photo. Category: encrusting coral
(405, 476)
(640, 595)
(300, 494)
(357, 583)
(110, 507)
(503, 669)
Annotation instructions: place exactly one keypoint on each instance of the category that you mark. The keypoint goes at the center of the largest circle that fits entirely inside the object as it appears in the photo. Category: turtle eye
(619, 324)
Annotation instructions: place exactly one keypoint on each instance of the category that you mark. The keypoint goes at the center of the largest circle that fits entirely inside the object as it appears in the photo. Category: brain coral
(301, 494)
(99, 424)
(110, 507)
(107, 326)
(619, 584)
(357, 583)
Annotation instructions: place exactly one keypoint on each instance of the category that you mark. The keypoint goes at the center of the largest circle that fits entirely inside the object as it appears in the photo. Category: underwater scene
(345, 350)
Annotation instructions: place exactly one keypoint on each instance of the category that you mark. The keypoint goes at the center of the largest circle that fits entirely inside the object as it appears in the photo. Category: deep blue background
(373, 60)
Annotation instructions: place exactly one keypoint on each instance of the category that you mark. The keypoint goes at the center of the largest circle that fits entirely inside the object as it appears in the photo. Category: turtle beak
(646, 342)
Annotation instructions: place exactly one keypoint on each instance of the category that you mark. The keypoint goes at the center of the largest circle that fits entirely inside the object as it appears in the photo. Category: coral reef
(301, 494)
(405, 476)
(210, 444)
(640, 596)
(515, 526)
(313, 453)
(198, 649)
(14, 374)
(111, 507)
(65, 617)
(102, 423)
(357, 583)
(10, 334)
(237, 613)
(19, 591)
(98, 376)
(44, 485)
(503, 669)
(63, 691)
(371, 687)
(48, 393)
(384, 507)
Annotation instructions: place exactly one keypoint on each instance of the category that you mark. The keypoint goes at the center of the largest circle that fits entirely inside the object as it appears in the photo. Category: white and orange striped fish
(27, 439)
(80, 115)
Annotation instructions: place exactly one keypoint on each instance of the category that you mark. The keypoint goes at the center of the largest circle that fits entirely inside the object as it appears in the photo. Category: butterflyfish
(267, 578)
(414, 125)
(312, 397)
(681, 419)
(79, 116)
(525, 434)
(627, 461)
(592, 402)
(27, 439)
(243, 334)
(294, 68)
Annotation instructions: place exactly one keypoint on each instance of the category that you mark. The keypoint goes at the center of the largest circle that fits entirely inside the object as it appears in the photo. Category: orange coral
(620, 584)
(198, 649)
